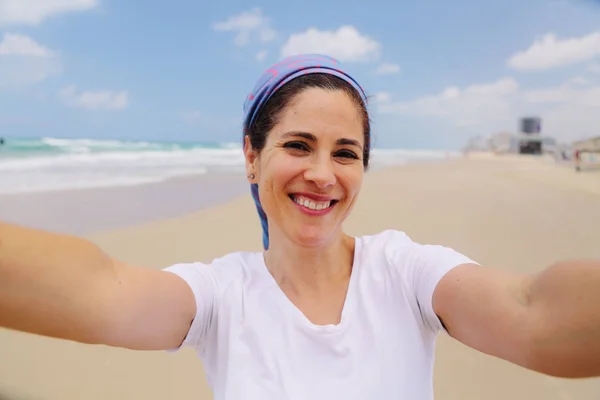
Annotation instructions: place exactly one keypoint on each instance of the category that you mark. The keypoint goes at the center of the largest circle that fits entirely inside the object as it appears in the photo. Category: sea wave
(47, 163)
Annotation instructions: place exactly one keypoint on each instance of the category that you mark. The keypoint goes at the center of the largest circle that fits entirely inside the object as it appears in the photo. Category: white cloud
(461, 107)
(382, 97)
(18, 72)
(25, 62)
(594, 68)
(100, 100)
(346, 44)
(550, 52)
(566, 94)
(579, 80)
(570, 122)
(387, 68)
(559, 94)
(247, 24)
(32, 12)
(568, 111)
(13, 44)
(261, 55)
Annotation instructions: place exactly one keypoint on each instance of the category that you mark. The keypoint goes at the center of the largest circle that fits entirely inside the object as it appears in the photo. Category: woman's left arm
(548, 322)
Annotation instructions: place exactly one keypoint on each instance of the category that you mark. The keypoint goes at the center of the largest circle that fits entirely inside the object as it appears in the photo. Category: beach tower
(530, 138)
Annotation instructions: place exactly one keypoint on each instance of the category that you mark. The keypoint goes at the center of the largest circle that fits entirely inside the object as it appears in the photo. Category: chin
(314, 236)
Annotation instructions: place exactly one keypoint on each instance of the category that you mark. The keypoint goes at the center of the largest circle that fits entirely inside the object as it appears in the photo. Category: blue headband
(275, 77)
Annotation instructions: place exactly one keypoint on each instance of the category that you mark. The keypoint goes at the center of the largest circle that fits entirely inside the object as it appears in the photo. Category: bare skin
(66, 287)
(319, 293)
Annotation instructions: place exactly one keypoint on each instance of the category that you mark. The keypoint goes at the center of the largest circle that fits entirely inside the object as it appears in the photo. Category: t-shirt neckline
(287, 304)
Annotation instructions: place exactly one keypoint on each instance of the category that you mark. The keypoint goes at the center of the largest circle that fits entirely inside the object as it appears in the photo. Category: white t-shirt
(256, 345)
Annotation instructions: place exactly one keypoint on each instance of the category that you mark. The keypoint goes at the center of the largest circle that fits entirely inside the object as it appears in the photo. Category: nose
(321, 172)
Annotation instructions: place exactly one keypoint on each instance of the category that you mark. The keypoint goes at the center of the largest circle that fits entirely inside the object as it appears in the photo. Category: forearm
(47, 281)
(565, 300)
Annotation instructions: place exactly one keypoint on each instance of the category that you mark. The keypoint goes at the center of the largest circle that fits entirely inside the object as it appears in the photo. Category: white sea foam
(28, 165)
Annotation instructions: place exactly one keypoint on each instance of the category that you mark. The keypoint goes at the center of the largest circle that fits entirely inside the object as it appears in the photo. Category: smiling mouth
(312, 204)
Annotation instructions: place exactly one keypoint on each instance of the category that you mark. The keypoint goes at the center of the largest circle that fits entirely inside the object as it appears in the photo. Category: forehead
(323, 113)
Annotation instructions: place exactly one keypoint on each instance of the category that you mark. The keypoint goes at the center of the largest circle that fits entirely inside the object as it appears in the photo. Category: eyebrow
(313, 138)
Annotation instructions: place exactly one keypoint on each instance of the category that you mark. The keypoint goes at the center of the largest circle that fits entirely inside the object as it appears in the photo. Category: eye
(346, 154)
(296, 146)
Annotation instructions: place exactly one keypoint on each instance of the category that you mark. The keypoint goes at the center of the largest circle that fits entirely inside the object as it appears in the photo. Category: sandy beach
(515, 213)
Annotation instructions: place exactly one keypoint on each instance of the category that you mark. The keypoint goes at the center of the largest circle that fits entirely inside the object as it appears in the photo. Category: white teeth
(311, 204)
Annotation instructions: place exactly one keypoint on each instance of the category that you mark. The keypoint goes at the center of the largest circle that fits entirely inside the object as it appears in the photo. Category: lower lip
(315, 213)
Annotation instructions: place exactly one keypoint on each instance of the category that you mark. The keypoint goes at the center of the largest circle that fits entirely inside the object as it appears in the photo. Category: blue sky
(439, 72)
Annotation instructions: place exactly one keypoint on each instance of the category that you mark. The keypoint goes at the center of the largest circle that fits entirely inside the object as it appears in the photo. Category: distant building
(587, 153)
(477, 143)
(504, 142)
(591, 145)
(509, 142)
(528, 140)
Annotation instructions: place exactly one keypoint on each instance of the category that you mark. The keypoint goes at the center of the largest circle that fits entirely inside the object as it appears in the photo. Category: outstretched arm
(549, 322)
(66, 287)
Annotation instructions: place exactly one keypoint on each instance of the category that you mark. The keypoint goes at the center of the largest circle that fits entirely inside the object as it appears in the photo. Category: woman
(319, 314)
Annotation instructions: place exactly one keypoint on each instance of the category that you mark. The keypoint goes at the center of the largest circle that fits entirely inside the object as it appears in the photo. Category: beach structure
(477, 143)
(591, 145)
(587, 153)
(504, 142)
(528, 140)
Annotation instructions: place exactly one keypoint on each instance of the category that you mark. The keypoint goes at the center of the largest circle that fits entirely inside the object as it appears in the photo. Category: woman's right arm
(66, 287)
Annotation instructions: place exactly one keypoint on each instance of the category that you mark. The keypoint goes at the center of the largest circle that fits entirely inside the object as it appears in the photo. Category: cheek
(353, 182)
(278, 169)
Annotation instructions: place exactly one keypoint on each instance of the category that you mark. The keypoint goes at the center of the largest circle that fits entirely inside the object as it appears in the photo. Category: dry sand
(507, 212)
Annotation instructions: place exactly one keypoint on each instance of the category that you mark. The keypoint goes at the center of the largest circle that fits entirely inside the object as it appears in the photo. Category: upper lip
(312, 196)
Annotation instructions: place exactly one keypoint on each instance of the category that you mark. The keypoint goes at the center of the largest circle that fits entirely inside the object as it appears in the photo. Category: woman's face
(310, 171)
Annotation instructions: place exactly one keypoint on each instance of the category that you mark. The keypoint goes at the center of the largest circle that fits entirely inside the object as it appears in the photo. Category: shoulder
(208, 283)
(411, 261)
(220, 272)
(386, 238)
(417, 267)
(386, 244)
(398, 246)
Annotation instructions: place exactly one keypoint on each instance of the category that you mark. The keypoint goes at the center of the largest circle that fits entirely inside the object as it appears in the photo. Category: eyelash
(296, 146)
(304, 147)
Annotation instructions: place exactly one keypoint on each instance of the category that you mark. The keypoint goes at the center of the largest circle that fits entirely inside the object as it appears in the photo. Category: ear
(251, 156)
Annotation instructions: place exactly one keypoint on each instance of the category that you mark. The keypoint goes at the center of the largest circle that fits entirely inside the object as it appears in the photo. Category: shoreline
(87, 210)
(53, 164)
(81, 211)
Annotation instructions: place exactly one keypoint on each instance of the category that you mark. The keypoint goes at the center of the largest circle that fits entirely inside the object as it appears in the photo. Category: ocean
(48, 164)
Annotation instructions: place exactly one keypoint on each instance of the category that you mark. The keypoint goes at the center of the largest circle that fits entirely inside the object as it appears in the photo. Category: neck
(313, 268)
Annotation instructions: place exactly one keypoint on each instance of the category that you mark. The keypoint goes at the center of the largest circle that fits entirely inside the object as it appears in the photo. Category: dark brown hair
(270, 113)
